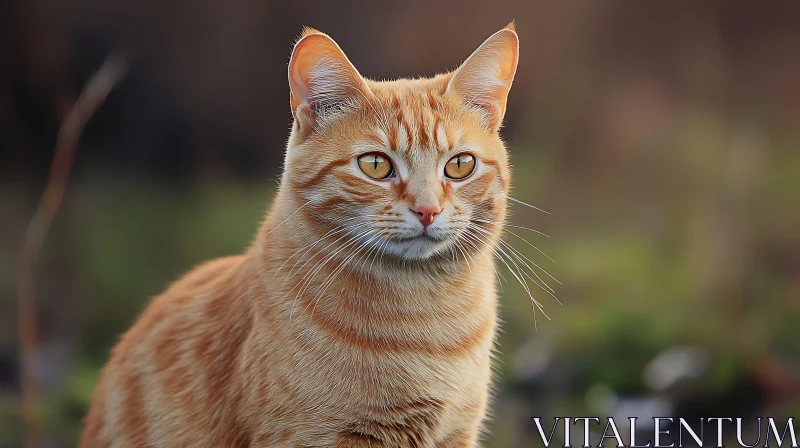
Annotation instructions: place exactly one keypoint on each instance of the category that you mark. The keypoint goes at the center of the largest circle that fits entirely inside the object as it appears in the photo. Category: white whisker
(520, 254)
(287, 218)
(512, 225)
(526, 204)
(530, 244)
(518, 273)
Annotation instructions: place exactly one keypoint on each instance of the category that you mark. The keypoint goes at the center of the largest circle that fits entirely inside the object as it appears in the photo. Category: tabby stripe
(423, 133)
(320, 174)
(353, 308)
(134, 423)
(414, 406)
(380, 343)
(496, 166)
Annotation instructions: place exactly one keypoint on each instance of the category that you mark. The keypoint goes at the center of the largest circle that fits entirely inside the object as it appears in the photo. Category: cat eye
(376, 165)
(460, 166)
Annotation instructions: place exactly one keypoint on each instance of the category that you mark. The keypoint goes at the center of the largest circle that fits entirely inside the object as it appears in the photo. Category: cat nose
(427, 213)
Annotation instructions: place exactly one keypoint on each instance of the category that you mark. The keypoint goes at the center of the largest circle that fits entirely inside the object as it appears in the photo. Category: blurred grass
(138, 240)
(119, 243)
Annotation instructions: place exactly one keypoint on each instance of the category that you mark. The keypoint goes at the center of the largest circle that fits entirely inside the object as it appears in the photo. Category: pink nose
(427, 213)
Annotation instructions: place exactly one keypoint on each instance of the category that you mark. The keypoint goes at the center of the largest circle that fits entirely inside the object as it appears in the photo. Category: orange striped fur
(351, 321)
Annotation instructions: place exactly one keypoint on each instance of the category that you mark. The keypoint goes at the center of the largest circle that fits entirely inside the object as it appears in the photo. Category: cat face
(407, 168)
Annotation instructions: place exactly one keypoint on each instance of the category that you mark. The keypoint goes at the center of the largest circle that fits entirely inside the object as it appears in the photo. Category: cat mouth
(418, 247)
(424, 236)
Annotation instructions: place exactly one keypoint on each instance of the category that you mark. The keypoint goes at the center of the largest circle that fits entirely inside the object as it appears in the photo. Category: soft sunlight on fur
(364, 314)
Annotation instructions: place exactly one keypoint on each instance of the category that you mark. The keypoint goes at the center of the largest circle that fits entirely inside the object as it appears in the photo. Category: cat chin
(418, 249)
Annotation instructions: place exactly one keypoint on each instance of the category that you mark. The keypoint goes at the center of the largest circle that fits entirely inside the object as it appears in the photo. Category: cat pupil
(376, 162)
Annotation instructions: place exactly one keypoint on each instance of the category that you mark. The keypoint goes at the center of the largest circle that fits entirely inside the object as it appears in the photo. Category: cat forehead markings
(413, 120)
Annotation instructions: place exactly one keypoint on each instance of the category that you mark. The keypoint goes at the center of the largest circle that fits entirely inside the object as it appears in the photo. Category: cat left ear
(484, 79)
(322, 80)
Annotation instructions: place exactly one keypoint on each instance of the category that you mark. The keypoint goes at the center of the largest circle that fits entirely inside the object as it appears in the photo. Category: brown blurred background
(663, 137)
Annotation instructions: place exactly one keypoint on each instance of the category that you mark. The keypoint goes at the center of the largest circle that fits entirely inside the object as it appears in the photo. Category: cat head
(411, 168)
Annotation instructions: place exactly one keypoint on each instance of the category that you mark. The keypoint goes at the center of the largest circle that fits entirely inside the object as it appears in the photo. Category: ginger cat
(364, 314)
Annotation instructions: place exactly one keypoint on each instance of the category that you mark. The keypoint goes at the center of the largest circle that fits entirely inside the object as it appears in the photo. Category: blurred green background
(663, 137)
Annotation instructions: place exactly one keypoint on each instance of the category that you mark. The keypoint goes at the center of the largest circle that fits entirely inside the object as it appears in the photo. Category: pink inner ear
(319, 72)
(486, 76)
(303, 59)
(507, 63)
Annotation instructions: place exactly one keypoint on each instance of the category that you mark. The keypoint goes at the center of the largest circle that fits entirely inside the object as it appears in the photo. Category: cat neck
(295, 260)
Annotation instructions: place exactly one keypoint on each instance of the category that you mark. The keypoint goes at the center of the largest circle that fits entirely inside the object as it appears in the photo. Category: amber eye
(376, 166)
(460, 166)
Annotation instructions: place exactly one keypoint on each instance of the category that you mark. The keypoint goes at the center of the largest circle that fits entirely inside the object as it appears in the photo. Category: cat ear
(484, 79)
(322, 80)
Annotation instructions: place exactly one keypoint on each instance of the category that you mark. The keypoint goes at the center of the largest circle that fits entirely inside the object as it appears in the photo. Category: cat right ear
(484, 79)
(322, 80)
